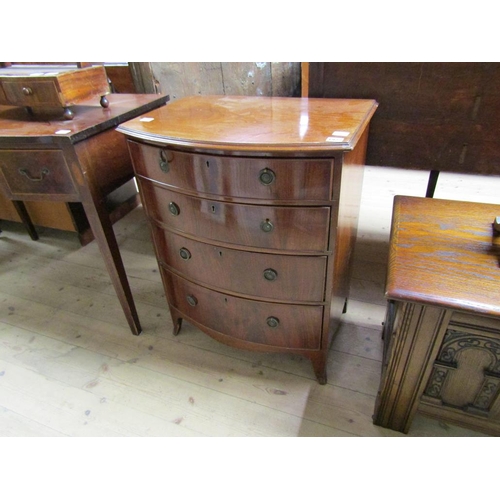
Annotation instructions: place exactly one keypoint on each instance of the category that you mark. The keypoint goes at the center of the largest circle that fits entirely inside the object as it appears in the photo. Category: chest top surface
(445, 253)
(17, 126)
(256, 124)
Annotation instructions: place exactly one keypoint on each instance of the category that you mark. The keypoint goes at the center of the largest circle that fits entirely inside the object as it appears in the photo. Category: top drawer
(249, 178)
(36, 172)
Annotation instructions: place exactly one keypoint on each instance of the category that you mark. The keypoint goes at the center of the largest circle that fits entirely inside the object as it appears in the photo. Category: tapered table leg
(25, 218)
(103, 232)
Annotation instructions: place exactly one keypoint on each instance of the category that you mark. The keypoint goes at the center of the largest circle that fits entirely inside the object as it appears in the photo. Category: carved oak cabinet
(442, 329)
(253, 205)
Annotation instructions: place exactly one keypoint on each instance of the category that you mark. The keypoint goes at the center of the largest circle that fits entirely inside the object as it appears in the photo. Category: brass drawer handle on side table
(43, 173)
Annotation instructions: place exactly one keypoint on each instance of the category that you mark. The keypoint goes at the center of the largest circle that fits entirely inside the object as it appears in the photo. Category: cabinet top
(257, 125)
(445, 253)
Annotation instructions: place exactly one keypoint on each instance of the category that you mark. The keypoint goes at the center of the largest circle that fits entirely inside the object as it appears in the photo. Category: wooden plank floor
(69, 365)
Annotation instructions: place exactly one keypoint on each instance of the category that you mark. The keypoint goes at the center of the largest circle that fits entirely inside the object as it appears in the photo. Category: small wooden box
(42, 88)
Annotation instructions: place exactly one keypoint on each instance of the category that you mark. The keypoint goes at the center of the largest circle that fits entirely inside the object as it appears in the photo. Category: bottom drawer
(278, 325)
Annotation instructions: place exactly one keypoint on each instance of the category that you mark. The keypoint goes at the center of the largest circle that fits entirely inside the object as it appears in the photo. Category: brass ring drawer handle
(272, 321)
(173, 208)
(267, 176)
(270, 274)
(43, 173)
(184, 253)
(164, 162)
(192, 300)
(27, 91)
(267, 226)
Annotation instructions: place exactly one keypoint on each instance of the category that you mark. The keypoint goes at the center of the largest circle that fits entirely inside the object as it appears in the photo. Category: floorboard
(69, 365)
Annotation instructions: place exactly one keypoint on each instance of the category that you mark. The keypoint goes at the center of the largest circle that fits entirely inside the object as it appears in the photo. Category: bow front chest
(253, 205)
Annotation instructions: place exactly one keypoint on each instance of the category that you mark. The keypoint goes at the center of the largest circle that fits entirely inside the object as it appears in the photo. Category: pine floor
(69, 365)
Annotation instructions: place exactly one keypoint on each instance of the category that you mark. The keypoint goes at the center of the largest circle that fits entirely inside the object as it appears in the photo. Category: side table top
(445, 253)
(256, 124)
(18, 127)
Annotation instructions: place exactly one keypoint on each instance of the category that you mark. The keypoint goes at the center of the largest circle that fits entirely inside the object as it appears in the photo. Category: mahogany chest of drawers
(253, 205)
(442, 329)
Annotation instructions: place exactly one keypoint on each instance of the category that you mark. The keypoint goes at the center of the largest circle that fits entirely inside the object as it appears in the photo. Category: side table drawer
(272, 227)
(263, 179)
(270, 324)
(36, 172)
(264, 275)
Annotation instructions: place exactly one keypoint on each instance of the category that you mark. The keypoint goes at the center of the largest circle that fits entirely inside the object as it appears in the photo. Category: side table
(82, 160)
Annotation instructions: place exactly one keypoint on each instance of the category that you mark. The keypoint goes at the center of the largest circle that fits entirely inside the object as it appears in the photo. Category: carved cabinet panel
(466, 372)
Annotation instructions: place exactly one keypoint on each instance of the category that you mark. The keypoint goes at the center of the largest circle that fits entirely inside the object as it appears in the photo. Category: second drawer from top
(290, 228)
